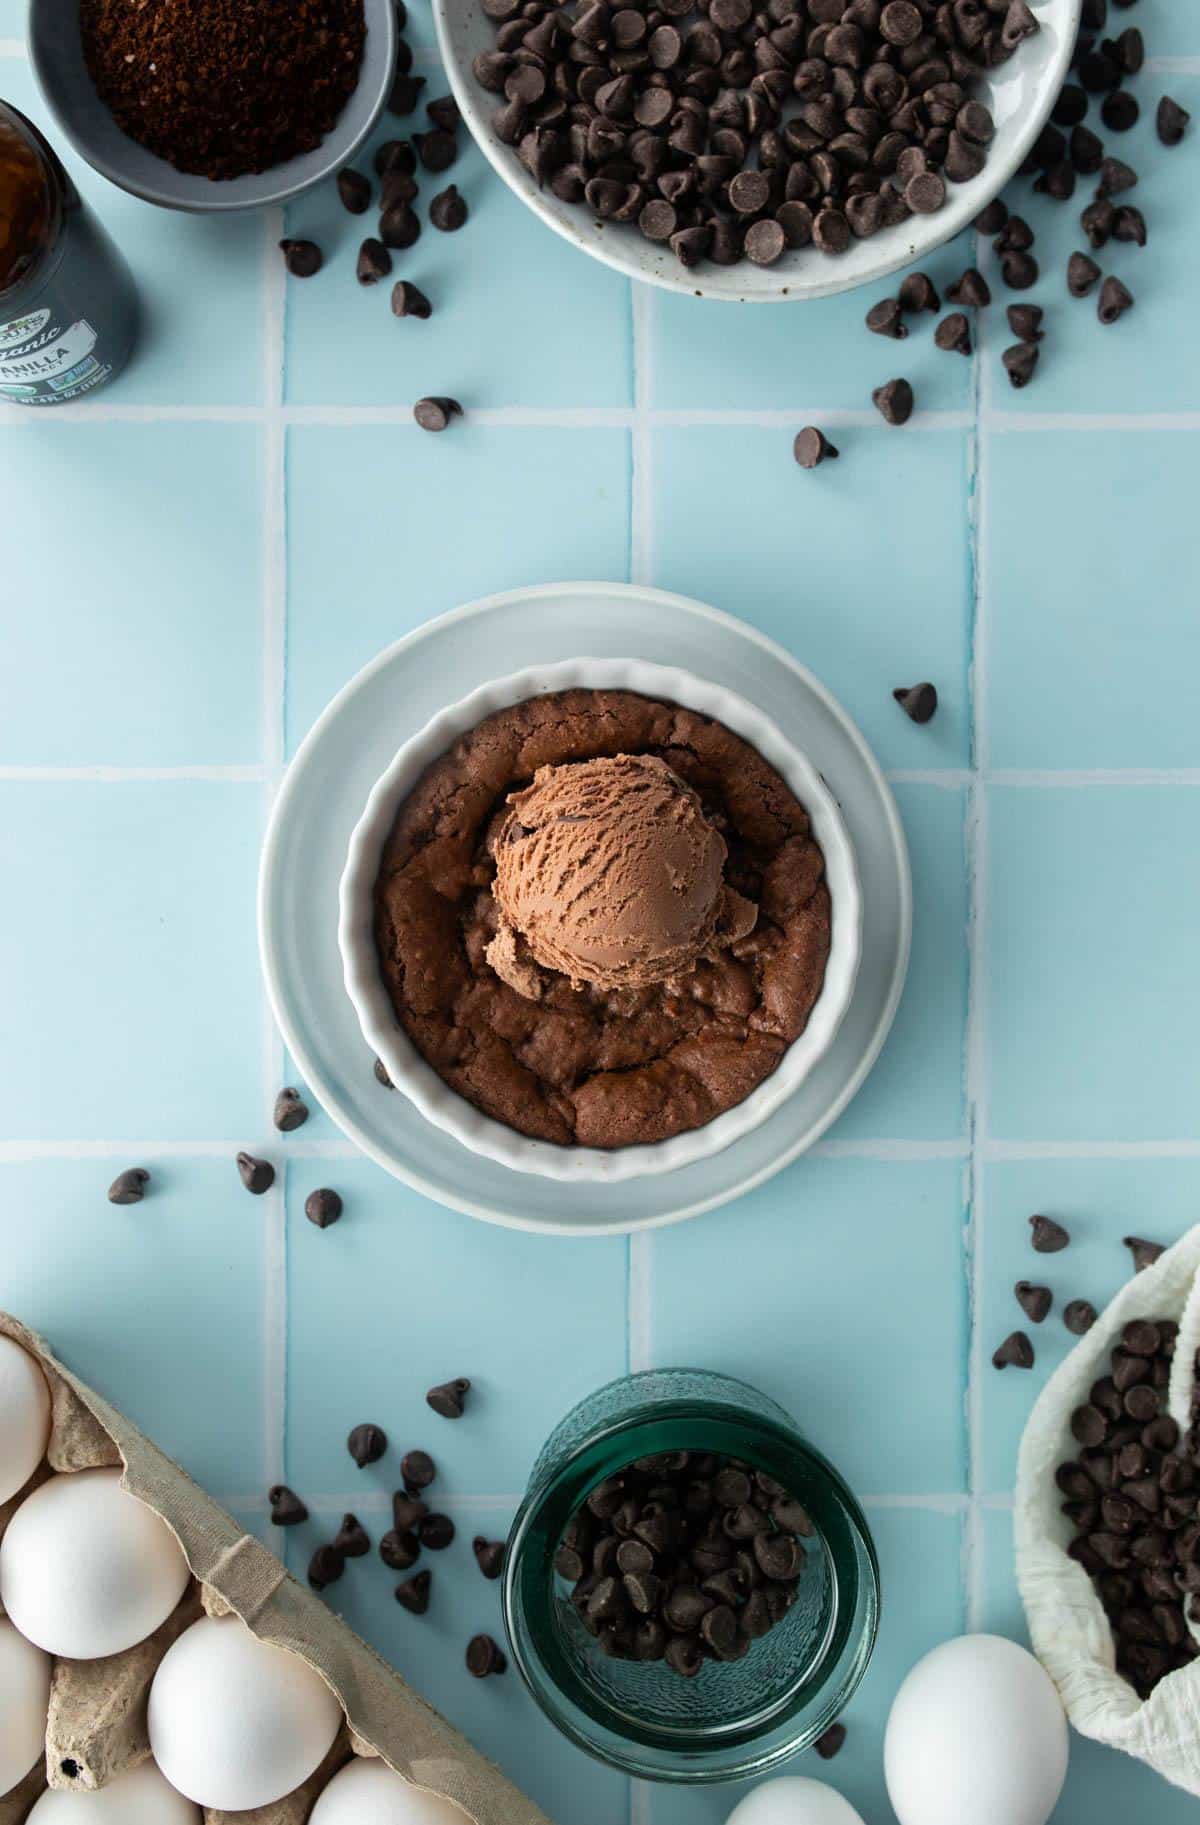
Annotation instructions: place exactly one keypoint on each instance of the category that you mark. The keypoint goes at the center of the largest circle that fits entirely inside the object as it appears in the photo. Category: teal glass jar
(734, 1719)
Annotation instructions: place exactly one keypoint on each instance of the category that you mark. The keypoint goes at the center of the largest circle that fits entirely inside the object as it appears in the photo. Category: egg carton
(97, 1724)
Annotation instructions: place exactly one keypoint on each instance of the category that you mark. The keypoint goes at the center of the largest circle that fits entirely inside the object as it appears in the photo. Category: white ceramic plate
(367, 990)
(352, 744)
(1020, 95)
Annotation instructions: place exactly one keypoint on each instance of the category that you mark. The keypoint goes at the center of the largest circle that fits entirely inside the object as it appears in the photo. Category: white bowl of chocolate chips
(757, 150)
(450, 959)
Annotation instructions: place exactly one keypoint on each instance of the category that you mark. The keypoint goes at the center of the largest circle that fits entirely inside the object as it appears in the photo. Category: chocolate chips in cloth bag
(100, 1715)
(1142, 1544)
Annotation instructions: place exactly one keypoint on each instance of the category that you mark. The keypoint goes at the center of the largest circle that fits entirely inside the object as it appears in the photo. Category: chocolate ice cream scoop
(609, 872)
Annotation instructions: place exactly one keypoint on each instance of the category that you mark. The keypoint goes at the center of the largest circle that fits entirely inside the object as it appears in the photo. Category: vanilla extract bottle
(68, 308)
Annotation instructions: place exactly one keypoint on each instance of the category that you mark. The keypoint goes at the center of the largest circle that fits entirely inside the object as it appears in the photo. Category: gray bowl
(57, 52)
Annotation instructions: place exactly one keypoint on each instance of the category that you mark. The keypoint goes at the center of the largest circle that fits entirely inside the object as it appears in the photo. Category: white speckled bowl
(1020, 95)
(421, 1084)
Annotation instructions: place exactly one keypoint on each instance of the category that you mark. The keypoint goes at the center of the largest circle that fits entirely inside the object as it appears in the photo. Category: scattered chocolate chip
(1115, 299)
(894, 401)
(1078, 1316)
(489, 1555)
(1070, 107)
(886, 319)
(443, 111)
(918, 292)
(918, 701)
(374, 262)
(435, 414)
(410, 301)
(812, 447)
(953, 333)
(354, 190)
(484, 1657)
(413, 1594)
(418, 1469)
(1047, 1236)
(129, 1187)
(1034, 1301)
(1019, 270)
(405, 94)
(325, 1567)
(351, 1539)
(399, 226)
(1082, 274)
(408, 1511)
(366, 1445)
(1171, 121)
(1087, 151)
(256, 1175)
(1144, 1253)
(1116, 177)
(992, 219)
(302, 258)
(972, 290)
(925, 193)
(435, 1531)
(290, 1111)
(287, 1510)
(1015, 1352)
(1020, 363)
(399, 1550)
(380, 1069)
(828, 1744)
(1129, 224)
(1119, 111)
(1097, 222)
(437, 150)
(448, 1399)
(1025, 321)
(448, 210)
(323, 1207)
(395, 155)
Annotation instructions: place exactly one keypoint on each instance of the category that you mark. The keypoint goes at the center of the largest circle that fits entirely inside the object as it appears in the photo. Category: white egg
(86, 1569)
(24, 1417)
(794, 1801)
(24, 1701)
(977, 1732)
(236, 1722)
(368, 1793)
(140, 1796)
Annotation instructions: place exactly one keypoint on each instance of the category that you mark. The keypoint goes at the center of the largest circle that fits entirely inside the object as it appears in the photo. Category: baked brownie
(584, 1066)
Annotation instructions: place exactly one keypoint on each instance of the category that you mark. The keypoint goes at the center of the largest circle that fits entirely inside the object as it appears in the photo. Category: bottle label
(41, 361)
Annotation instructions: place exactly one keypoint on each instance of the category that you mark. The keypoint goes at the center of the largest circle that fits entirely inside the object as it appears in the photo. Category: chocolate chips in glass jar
(684, 1557)
(733, 130)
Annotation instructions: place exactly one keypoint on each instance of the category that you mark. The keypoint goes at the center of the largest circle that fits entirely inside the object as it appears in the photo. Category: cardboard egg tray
(97, 1723)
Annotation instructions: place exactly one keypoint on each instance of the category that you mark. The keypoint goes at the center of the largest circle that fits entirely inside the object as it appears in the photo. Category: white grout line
(108, 412)
(949, 779)
(106, 776)
(1070, 778)
(790, 417)
(1171, 66)
(949, 1503)
(1092, 1150)
(1095, 421)
(898, 1151)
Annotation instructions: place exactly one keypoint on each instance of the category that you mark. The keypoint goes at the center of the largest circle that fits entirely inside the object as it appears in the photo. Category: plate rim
(281, 814)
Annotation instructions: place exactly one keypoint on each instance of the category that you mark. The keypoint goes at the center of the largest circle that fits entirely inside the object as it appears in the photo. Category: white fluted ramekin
(417, 1080)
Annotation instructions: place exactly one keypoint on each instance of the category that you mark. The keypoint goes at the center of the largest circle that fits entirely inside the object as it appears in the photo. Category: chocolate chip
(290, 1112)
(448, 210)
(894, 401)
(256, 1175)
(413, 1594)
(885, 319)
(325, 1567)
(1115, 299)
(1129, 224)
(1089, 1426)
(323, 1207)
(925, 193)
(1116, 177)
(1079, 1315)
(1119, 111)
(1016, 1352)
(1082, 275)
(684, 1655)
(1070, 107)
(437, 150)
(435, 1531)
(1087, 151)
(811, 447)
(404, 95)
(302, 258)
(366, 1445)
(410, 301)
(287, 1510)
(408, 1511)
(764, 242)
(399, 226)
(448, 1399)
(1047, 1236)
(444, 112)
(354, 190)
(397, 191)
(918, 293)
(992, 219)
(953, 333)
(1097, 222)
(831, 231)
(380, 1069)
(399, 1550)
(918, 701)
(1015, 237)
(435, 414)
(828, 1744)
(418, 1469)
(484, 1657)
(351, 1539)
(1171, 121)
(1034, 1301)
(395, 155)
(129, 1187)
(489, 1555)
(972, 290)
(1025, 321)
(1019, 270)
(1144, 1253)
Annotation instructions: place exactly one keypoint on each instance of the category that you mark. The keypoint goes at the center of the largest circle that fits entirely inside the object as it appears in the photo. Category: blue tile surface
(171, 599)
(1093, 998)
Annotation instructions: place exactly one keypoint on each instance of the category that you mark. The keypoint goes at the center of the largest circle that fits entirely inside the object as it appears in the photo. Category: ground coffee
(220, 88)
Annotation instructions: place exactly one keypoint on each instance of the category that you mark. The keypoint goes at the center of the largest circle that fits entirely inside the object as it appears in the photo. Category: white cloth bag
(1068, 1627)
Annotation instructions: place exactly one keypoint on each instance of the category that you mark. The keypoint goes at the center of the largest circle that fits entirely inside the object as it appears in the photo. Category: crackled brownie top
(581, 1065)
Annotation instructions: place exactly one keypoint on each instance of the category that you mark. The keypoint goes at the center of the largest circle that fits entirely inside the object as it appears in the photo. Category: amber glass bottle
(68, 309)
